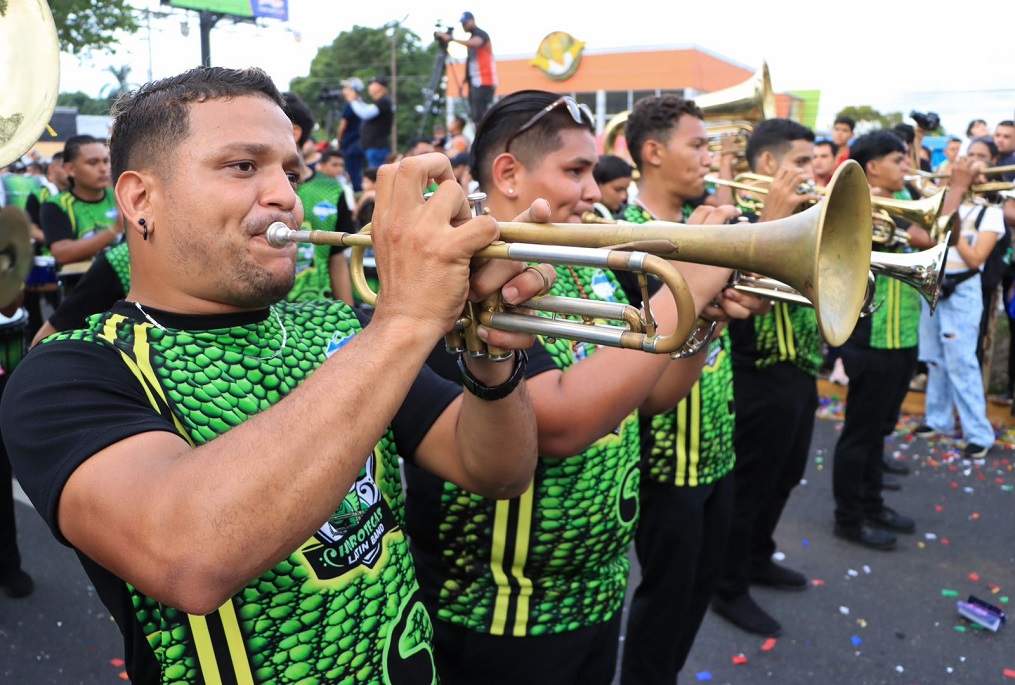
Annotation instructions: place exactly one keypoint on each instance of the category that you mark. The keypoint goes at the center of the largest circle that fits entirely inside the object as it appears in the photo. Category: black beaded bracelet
(497, 392)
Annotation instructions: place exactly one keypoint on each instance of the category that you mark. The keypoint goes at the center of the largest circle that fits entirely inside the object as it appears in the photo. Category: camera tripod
(434, 99)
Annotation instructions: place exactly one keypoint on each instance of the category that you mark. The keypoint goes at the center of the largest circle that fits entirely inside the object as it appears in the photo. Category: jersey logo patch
(602, 287)
(323, 210)
(337, 342)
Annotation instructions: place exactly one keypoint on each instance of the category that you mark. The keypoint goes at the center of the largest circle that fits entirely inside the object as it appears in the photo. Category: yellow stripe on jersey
(525, 504)
(234, 641)
(500, 526)
(205, 652)
(688, 438)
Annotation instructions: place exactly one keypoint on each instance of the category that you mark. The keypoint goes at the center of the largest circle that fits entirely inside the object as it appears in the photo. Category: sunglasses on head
(579, 112)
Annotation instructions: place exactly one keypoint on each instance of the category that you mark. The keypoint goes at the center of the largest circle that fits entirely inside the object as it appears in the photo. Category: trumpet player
(530, 590)
(687, 453)
(226, 463)
(776, 358)
(879, 359)
(948, 339)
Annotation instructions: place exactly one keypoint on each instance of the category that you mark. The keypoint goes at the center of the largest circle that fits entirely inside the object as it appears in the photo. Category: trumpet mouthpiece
(277, 234)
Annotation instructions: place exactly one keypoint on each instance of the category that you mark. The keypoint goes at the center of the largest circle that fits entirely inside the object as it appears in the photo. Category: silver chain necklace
(285, 333)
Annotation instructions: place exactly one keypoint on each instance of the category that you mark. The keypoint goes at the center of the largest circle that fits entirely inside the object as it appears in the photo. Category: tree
(869, 119)
(84, 103)
(82, 25)
(366, 52)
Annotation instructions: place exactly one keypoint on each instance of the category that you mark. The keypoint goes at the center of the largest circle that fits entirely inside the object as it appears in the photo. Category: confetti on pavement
(768, 644)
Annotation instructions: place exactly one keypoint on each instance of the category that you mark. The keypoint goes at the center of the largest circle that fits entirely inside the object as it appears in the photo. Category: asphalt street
(868, 617)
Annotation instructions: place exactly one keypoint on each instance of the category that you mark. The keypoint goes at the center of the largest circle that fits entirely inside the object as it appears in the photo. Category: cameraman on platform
(480, 66)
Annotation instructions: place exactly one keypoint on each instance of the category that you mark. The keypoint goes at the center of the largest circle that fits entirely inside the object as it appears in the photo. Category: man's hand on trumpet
(424, 252)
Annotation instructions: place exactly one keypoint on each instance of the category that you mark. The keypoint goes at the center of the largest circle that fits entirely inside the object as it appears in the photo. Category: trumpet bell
(923, 270)
(30, 53)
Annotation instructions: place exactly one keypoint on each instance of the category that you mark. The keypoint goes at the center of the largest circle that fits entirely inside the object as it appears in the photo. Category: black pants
(10, 557)
(480, 99)
(680, 542)
(772, 437)
(587, 656)
(878, 382)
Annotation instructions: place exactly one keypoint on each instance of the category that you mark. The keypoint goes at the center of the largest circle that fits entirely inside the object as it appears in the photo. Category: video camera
(442, 28)
(330, 96)
(928, 122)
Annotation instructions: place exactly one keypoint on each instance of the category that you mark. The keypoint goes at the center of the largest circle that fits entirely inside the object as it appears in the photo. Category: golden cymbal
(15, 252)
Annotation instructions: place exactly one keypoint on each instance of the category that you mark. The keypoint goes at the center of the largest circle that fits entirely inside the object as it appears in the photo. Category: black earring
(142, 224)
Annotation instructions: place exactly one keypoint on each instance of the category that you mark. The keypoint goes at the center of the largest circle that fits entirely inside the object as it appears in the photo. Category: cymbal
(15, 252)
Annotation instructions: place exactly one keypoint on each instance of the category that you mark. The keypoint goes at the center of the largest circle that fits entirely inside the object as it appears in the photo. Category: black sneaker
(779, 577)
(974, 451)
(866, 536)
(890, 483)
(744, 613)
(892, 520)
(893, 465)
(924, 431)
(17, 583)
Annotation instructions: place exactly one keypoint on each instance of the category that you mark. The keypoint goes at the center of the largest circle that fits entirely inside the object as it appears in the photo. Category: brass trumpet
(822, 253)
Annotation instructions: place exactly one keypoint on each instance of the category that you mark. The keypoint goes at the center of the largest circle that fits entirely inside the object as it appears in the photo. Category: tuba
(30, 59)
(30, 55)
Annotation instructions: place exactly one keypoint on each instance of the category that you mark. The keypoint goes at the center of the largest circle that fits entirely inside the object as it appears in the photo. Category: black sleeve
(481, 34)
(32, 207)
(98, 290)
(55, 223)
(343, 222)
(428, 397)
(65, 402)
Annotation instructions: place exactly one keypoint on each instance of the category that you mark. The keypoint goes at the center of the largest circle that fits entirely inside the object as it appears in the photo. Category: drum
(43, 277)
(13, 339)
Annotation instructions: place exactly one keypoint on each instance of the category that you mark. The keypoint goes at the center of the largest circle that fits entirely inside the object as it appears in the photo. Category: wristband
(496, 392)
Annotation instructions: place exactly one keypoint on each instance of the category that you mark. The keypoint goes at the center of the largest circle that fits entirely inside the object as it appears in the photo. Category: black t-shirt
(70, 399)
(376, 132)
(98, 290)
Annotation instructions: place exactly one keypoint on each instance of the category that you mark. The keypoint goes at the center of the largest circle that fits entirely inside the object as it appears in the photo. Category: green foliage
(85, 104)
(367, 52)
(82, 25)
(869, 119)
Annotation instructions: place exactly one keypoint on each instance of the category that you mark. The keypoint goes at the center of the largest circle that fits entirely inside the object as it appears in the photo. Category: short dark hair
(832, 145)
(1007, 122)
(989, 142)
(329, 154)
(654, 118)
(610, 168)
(370, 173)
(299, 113)
(775, 136)
(875, 145)
(845, 119)
(906, 132)
(150, 122)
(974, 122)
(504, 119)
(72, 146)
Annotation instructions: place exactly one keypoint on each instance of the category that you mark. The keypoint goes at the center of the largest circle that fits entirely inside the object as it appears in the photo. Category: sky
(893, 56)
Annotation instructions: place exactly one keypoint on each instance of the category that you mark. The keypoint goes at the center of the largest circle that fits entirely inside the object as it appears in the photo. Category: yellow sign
(558, 55)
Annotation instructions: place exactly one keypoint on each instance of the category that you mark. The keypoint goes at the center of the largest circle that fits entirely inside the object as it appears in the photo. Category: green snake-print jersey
(895, 324)
(344, 607)
(320, 195)
(692, 444)
(788, 333)
(86, 218)
(555, 558)
(118, 257)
